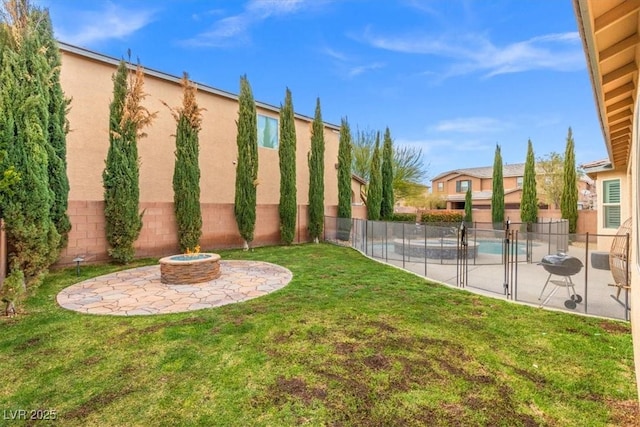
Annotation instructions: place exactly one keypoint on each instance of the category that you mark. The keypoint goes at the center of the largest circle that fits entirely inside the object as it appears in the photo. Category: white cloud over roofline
(109, 21)
(476, 53)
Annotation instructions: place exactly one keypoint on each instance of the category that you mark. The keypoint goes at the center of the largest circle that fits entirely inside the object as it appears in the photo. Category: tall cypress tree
(57, 131)
(287, 156)
(374, 191)
(344, 181)
(386, 207)
(569, 200)
(247, 167)
(120, 177)
(529, 201)
(25, 77)
(316, 176)
(344, 170)
(186, 173)
(468, 207)
(497, 194)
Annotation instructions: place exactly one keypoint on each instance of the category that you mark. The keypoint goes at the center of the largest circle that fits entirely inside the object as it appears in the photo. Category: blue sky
(453, 77)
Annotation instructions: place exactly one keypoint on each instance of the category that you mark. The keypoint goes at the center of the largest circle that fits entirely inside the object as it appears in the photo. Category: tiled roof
(508, 170)
(591, 169)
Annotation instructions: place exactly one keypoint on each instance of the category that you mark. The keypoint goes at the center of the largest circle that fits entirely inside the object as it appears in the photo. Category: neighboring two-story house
(452, 187)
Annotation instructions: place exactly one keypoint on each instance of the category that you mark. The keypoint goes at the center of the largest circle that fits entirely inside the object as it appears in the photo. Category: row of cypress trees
(33, 127)
(529, 200)
(247, 169)
(380, 197)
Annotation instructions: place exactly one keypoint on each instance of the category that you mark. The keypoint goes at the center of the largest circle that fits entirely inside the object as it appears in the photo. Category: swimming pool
(496, 247)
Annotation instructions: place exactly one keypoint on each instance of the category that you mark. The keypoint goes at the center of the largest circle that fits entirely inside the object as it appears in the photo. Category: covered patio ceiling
(609, 29)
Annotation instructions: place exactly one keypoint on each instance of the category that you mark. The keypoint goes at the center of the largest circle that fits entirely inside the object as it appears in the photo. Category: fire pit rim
(211, 257)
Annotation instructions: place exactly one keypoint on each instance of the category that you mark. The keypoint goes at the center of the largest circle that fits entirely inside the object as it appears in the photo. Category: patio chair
(618, 258)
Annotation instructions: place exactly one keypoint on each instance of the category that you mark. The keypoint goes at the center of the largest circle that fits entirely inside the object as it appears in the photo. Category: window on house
(441, 186)
(267, 132)
(519, 182)
(611, 203)
(462, 186)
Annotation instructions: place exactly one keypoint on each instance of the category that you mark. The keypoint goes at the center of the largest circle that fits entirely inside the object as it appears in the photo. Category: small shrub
(441, 217)
(403, 217)
(12, 291)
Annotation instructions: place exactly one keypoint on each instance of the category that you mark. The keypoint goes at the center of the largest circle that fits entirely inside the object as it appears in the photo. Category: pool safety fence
(505, 260)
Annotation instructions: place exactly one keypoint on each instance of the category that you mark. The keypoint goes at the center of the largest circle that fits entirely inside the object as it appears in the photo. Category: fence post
(366, 236)
(403, 247)
(586, 271)
(386, 242)
(505, 257)
(425, 250)
(324, 229)
(626, 280)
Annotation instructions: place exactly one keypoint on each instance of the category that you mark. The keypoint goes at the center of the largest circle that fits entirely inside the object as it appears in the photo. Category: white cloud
(471, 125)
(471, 53)
(350, 66)
(432, 146)
(340, 56)
(112, 21)
(356, 71)
(235, 30)
(266, 8)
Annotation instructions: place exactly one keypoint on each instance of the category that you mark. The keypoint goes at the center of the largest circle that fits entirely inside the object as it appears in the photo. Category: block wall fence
(159, 232)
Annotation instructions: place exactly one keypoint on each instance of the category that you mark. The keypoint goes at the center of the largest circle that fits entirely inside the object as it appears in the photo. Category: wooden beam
(620, 157)
(619, 91)
(619, 105)
(619, 47)
(621, 125)
(620, 141)
(620, 133)
(619, 116)
(618, 73)
(615, 14)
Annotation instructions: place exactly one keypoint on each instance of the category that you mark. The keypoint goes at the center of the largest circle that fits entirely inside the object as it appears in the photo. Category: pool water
(497, 247)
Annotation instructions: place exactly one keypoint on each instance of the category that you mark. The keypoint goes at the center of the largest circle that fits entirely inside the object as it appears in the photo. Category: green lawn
(348, 342)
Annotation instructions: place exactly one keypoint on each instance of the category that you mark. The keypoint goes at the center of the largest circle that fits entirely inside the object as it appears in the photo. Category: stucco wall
(626, 197)
(88, 81)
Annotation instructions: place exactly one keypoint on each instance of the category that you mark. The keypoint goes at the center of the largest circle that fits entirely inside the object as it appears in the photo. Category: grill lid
(561, 263)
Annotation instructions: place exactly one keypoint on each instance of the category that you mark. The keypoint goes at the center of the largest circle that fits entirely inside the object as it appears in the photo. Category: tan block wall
(159, 236)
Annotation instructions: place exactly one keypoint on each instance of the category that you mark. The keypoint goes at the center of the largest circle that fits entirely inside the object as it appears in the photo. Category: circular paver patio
(139, 291)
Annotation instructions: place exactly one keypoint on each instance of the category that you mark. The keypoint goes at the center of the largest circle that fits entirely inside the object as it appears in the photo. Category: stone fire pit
(191, 268)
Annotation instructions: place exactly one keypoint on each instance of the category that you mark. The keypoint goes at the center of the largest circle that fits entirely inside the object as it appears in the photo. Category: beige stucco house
(86, 77)
(610, 33)
(611, 185)
(452, 187)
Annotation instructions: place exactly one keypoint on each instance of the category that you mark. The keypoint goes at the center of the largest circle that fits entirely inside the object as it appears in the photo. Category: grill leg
(569, 284)
(545, 286)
